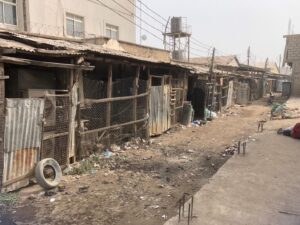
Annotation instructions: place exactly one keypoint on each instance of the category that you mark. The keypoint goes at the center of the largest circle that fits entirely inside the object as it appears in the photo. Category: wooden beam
(135, 93)
(2, 120)
(149, 83)
(114, 126)
(30, 62)
(109, 95)
(105, 100)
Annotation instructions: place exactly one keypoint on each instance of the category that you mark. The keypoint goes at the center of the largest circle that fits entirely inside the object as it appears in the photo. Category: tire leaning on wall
(40, 177)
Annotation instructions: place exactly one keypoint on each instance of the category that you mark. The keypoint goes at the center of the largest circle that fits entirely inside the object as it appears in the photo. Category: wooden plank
(104, 100)
(109, 94)
(135, 93)
(29, 62)
(114, 126)
(148, 106)
(2, 122)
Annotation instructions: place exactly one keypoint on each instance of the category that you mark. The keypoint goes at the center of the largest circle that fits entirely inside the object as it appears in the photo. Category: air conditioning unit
(50, 104)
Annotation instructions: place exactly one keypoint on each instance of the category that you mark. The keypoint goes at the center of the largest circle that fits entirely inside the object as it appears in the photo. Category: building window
(112, 31)
(75, 27)
(8, 12)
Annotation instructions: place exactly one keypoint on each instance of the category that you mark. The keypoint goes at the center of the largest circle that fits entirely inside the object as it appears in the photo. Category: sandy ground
(142, 186)
(261, 187)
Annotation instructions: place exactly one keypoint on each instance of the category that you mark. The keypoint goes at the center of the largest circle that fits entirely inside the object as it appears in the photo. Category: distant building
(69, 18)
(292, 58)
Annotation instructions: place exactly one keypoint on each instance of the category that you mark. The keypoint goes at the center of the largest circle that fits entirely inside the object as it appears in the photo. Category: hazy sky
(233, 25)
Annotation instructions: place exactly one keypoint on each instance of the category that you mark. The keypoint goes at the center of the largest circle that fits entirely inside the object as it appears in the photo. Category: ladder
(173, 95)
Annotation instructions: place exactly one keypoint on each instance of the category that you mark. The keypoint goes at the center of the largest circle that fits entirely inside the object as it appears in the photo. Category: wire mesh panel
(105, 121)
(56, 128)
(94, 89)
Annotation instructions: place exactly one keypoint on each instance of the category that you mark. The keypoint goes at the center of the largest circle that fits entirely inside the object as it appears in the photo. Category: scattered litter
(147, 158)
(107, 154)
(164, 217)
(115, 148)
(32, 197)
(284, 112)
(52, 200)
(61, 188)
(190, 151)
(210, 114)
(208, 157)
(83, 189)
(50, 193)
(183, 157)
(154, 207)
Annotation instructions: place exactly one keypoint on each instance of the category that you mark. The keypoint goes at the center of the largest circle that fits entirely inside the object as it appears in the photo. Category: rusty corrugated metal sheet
(22, 140)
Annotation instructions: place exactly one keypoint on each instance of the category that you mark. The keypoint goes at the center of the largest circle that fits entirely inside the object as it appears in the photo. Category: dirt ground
(141, 185)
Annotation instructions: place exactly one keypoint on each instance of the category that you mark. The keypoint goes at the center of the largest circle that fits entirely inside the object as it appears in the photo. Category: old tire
(40, 177)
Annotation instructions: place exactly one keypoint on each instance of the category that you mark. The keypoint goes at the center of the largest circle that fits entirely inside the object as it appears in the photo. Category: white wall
(48, 17)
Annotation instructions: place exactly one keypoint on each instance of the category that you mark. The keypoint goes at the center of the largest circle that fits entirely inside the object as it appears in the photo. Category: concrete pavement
(261, 188)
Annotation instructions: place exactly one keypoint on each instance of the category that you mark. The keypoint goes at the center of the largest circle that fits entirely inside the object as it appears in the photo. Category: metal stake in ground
(239, 147)
(192, 208)
(244, 147)
(189, 214)
(179, 210)
(183, 202)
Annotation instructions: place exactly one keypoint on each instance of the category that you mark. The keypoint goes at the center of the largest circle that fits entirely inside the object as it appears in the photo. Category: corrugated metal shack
(63, 98)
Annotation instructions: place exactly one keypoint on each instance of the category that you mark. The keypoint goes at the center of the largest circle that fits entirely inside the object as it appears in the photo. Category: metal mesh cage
(106, 122)
(56, 128)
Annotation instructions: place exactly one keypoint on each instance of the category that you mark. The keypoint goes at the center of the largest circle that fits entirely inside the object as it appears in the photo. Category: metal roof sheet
(43, 45)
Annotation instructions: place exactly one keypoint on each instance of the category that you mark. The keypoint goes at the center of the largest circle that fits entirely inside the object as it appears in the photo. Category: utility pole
(290, 27)
(265, 77)
(279, 65)
(266, 65)
(211, 69)
(248, 56)
(213, 82)
(165, 34)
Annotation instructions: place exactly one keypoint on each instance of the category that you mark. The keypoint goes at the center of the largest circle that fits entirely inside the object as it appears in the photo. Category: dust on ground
(142, 185)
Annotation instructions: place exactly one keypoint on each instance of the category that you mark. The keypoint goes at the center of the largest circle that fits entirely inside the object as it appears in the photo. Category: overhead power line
(113, 10)
(151, 10)
(123, 7)
(148, 14)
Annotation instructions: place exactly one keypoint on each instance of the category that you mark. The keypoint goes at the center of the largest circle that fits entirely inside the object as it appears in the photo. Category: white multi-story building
(71, 18)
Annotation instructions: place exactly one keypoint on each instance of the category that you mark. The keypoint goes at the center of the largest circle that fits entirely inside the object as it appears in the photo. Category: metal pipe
(189, 219)
(192, 208)
(183, 202)
(244, 148)
(239, 147)
(179, 211)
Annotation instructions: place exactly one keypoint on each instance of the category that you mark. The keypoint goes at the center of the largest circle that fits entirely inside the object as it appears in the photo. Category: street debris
(140, 174)
(210, 115)
(83, 189)
(282, 111)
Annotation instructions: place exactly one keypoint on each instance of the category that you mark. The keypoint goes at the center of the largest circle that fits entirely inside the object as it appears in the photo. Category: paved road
(253, 190)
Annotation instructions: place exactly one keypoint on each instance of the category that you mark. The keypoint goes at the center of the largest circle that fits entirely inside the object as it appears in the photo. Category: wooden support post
(135, 93)
(109, 95)
(71, 122)
(79, 155)
(2, 120)
(148, 106)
